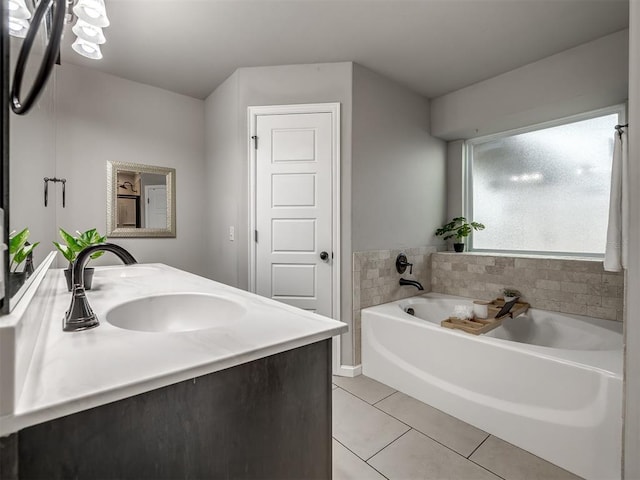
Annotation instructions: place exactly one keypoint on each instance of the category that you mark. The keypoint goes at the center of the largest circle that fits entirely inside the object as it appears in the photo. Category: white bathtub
(547, 382)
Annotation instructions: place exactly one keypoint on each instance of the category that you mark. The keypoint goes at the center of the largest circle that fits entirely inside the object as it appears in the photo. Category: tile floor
(380, 433)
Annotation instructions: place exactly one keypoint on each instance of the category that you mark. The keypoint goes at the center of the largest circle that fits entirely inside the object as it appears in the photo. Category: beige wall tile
(570, 286)
(375, 280)
(574, 308)
(573, 287)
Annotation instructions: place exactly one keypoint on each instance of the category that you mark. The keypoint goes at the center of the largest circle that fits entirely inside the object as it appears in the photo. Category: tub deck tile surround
(429, 443)
(375, 281)
(562, 285)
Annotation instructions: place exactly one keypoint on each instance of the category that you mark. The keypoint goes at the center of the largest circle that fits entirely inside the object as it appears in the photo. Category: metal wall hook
(63, 181)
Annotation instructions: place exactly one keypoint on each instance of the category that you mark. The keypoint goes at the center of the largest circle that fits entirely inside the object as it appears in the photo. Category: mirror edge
(112, 194)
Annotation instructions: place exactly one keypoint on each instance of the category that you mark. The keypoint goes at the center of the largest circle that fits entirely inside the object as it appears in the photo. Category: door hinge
(255, 141)
(256, 235)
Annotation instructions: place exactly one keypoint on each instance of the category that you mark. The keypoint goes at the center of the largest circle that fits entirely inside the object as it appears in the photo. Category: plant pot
(510, 299)
(458, 247)
(88, 278)
(16, 280)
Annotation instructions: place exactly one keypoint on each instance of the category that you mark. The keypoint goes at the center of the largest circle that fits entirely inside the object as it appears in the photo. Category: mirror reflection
(141, 200)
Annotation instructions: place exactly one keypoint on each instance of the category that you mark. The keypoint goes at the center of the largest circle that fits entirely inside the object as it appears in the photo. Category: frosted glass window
(545, 190)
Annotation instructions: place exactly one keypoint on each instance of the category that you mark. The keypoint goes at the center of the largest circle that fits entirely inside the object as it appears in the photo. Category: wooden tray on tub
(478, 326)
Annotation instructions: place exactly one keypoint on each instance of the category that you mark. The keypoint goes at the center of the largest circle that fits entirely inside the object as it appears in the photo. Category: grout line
(364, 400)
(474, 450)
(393, 441)
(421, 433)
(359, 458)
(436, 440)
(485, 468)
(375, 403)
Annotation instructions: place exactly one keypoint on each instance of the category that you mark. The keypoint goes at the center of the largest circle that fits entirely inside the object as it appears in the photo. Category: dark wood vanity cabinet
(269, 418)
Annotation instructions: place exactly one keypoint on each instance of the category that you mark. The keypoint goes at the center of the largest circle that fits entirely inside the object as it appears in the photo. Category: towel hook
(63, 181)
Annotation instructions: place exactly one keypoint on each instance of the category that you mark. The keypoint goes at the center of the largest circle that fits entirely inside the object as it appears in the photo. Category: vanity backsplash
(579, 287)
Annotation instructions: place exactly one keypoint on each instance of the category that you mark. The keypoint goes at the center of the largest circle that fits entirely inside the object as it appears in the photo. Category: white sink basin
(176, 312)
(131, 271)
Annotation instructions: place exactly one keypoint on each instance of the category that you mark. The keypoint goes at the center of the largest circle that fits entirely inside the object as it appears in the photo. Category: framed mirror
(141, 200)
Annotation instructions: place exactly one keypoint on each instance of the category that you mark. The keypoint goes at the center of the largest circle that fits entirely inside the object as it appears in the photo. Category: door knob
(324, 256)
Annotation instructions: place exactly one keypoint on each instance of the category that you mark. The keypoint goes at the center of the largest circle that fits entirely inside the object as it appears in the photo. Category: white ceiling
(431, 46)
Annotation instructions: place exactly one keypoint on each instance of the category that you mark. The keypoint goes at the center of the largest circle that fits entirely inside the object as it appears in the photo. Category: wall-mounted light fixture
(90, 17)
(19, 16)
(123, 185)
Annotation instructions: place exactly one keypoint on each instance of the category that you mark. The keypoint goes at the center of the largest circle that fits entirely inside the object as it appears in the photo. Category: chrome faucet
(413, 283)
(80, 316)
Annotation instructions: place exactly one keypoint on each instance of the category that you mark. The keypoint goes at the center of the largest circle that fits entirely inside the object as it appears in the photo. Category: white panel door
(294, 209)
(156, 207)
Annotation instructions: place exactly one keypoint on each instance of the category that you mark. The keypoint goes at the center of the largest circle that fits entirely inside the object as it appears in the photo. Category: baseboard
(349, 371)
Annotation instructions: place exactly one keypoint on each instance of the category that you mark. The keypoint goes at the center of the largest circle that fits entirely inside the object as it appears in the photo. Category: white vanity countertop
(71, 372)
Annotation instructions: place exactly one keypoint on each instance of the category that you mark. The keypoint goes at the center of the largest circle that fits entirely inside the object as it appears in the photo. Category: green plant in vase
(459, 229)
(510, 294)
(73, 246)
(19, 251)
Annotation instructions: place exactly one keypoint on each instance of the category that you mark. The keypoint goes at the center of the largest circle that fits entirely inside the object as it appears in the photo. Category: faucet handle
(402, 264)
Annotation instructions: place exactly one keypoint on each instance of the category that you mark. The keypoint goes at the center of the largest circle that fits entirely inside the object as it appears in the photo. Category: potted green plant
(460, 229)
(510, 294)
(19, 251)
(73, 246)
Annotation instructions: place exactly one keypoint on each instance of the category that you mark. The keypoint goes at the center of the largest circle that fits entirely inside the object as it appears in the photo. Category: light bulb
(88, 32)
(87, 49)
(92, 12)
(18, 27)
(18, 9)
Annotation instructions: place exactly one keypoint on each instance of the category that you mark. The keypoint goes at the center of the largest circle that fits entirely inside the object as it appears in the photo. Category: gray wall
(101, 117)
(591, 76)
(455, 179)
(224, 154)
(33, 157)
(632, 328)
(398, 168)
(318, 83)
(228, 162)
(587, 77)
(392, 170)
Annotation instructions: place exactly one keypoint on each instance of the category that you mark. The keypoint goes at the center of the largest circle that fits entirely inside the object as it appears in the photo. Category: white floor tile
(416, 456)
(513, 463)
(347, 466)
(363, 387)
(363, 429)
(448, 430)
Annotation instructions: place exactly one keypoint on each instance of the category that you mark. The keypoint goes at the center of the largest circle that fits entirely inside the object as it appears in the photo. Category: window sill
(534, 256)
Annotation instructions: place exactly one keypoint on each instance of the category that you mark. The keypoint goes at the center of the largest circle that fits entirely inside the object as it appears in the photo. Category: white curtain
(615, 257)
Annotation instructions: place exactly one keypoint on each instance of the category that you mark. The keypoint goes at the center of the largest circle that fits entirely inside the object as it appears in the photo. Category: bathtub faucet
(413, 283)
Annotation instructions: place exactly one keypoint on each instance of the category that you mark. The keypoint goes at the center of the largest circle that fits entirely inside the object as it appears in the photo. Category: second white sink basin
(176, 312)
